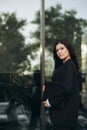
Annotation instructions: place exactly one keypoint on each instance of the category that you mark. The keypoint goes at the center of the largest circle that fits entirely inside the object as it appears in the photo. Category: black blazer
(63, 95)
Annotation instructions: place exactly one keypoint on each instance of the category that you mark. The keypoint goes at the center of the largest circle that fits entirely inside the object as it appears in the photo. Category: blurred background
(20, 42)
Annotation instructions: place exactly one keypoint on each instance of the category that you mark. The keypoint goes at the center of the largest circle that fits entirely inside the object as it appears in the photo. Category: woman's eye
(57, 50)
(61, 48)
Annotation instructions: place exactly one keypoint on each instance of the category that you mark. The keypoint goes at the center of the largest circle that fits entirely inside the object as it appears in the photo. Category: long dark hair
(68, 45)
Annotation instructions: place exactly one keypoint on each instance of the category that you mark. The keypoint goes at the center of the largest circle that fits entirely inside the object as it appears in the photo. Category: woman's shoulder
(69, 63)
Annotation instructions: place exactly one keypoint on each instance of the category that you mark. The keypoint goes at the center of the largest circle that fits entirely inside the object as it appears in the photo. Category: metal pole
(42, 64)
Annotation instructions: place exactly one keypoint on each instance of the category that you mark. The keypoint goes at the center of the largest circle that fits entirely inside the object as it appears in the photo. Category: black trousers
(63, 128)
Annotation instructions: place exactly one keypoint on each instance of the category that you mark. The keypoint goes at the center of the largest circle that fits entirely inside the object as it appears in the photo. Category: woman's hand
(46, 103)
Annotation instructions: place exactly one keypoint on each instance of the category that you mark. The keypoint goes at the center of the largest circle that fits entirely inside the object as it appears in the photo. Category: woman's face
(62, 52)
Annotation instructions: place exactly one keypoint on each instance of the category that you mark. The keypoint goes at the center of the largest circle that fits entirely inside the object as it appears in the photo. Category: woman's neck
(66, 59)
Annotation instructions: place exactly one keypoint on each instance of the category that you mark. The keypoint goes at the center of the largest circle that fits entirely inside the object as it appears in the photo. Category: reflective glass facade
(28, 31)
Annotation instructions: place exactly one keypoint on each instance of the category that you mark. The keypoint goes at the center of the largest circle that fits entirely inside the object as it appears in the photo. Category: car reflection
(13, 117)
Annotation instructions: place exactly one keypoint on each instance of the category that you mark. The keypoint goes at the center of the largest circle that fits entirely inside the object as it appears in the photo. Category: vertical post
(42, 60)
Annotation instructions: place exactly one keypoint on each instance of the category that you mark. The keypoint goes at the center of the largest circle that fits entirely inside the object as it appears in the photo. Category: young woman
(61, 95)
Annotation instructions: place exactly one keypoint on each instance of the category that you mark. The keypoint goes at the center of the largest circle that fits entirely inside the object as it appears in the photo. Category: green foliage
(61, 25)
(14, 58)
(13, 51)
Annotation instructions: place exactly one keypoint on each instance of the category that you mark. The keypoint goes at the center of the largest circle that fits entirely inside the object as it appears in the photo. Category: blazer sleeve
(56, 91)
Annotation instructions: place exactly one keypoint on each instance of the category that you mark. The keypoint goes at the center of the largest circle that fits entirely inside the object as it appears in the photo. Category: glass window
(20, 76)
(66, 19)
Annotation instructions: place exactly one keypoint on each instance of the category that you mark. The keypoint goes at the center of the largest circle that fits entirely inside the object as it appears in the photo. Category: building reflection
(84, 70)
